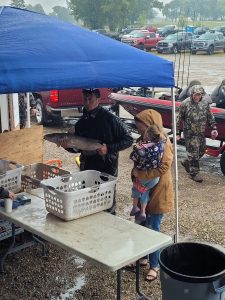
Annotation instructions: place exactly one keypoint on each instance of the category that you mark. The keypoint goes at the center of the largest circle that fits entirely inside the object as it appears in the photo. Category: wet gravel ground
(61, 275)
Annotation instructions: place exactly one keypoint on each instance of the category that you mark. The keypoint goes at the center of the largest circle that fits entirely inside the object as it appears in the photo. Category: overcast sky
(46, 4)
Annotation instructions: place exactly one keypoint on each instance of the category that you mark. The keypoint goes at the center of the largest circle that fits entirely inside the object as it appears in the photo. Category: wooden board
(24, 146)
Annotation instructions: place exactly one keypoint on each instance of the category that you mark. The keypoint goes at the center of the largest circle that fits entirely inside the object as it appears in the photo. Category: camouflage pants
(195, 146)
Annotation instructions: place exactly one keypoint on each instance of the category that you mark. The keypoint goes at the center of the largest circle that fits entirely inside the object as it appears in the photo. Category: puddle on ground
(79, 282)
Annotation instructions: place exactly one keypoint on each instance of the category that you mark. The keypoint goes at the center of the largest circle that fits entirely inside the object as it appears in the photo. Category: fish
(68, 140)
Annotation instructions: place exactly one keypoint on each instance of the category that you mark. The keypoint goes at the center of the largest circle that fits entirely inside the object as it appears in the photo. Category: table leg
(118, 285)
(42, 243)
(12, 248)
(138, 290)
(2, 259)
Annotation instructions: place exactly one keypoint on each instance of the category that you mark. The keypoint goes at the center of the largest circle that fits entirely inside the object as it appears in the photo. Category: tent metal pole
(28, 110)
(175, 165)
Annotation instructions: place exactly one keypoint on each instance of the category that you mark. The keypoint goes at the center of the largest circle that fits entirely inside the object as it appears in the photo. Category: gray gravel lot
(201, 218)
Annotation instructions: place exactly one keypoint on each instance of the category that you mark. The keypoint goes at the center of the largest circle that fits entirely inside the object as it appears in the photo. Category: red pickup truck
(56, 104)
(142, 39)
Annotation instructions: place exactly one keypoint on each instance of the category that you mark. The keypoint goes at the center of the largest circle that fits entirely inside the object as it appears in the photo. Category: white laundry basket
(10, 175)
(79, 194)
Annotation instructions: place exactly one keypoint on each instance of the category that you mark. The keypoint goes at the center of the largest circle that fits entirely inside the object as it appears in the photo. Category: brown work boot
(197, 177)
(185, 164)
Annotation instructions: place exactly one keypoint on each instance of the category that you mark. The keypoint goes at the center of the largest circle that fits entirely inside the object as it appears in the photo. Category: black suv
(201, 30)
(175, 43)
(166, 30)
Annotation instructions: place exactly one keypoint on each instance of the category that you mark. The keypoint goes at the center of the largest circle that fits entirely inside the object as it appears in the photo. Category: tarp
(38, 52)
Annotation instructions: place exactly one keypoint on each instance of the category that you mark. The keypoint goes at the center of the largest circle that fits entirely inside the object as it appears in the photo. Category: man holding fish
(98, 135)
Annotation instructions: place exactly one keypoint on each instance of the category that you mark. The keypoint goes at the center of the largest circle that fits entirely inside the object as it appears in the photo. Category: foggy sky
(46, 4)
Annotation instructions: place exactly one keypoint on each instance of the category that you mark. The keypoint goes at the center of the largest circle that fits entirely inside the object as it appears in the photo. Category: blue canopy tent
(39, 53)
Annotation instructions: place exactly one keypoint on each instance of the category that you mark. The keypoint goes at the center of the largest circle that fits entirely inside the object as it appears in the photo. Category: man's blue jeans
(153, 221)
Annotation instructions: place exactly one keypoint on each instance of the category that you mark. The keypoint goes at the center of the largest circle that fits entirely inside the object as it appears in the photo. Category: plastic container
(79, 194)
(6, 230)
(190, 28)
(32, 175)
(192, 271)
(10, 175)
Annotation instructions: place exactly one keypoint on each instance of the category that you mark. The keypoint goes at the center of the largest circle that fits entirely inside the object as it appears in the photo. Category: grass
(210, 24)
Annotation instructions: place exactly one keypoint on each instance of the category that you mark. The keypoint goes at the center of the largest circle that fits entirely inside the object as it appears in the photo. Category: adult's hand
(103, 150)
(12, 195)
(214, 134)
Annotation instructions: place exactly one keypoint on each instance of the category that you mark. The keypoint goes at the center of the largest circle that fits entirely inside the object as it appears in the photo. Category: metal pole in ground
(175, 165)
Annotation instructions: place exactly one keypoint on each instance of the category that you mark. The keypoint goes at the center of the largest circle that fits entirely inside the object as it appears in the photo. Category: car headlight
(170, 44)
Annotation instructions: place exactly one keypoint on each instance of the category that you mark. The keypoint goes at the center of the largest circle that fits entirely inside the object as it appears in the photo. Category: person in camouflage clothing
(195, 115)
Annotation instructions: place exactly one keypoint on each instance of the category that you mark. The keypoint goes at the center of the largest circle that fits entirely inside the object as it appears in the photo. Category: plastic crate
(80, 194)
(10, 175)
(33, 174)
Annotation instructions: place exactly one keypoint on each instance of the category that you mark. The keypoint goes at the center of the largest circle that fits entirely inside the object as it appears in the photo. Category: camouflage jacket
(195, 117)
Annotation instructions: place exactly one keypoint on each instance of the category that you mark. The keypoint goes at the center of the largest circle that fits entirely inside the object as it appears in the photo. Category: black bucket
(192, 271)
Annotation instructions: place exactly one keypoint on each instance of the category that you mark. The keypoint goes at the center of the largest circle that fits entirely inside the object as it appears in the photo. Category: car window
(138, 35)
(171, 37)
(207, 36)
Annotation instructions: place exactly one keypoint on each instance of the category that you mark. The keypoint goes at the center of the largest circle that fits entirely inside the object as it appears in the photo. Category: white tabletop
(39, 192)
(103, 238)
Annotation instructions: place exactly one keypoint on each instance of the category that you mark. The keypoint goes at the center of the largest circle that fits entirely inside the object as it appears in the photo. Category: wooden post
(14, 117)
(4, 113)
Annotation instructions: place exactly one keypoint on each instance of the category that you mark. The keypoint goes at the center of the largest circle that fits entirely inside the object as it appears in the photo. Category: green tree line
(113, 14)
(100, 13)
(197, 10)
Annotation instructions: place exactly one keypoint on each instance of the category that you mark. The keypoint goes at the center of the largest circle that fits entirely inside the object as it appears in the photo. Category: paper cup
(8, 205)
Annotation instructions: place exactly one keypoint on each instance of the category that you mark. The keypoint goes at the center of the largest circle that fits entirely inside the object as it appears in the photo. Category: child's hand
(135, 172)
(12, 195)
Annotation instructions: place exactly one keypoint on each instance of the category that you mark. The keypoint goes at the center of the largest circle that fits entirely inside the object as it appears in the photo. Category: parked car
(128, 29)
(175, 43)
(201, 30)
(208, 42)
(166, 30)
(100, 30)
(55, 104)
(219, 29)
(113, 35)
(150, 28)
(141, 39)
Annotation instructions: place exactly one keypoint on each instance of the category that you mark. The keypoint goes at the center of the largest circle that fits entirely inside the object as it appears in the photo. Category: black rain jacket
(102, 125)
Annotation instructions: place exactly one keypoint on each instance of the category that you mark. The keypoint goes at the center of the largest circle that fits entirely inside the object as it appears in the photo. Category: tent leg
(175, 164)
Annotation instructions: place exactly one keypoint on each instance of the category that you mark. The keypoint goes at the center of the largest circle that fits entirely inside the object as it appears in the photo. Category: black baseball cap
(94, 91)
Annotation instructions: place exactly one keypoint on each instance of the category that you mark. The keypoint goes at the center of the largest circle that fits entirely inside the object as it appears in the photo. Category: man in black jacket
(100, 124)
